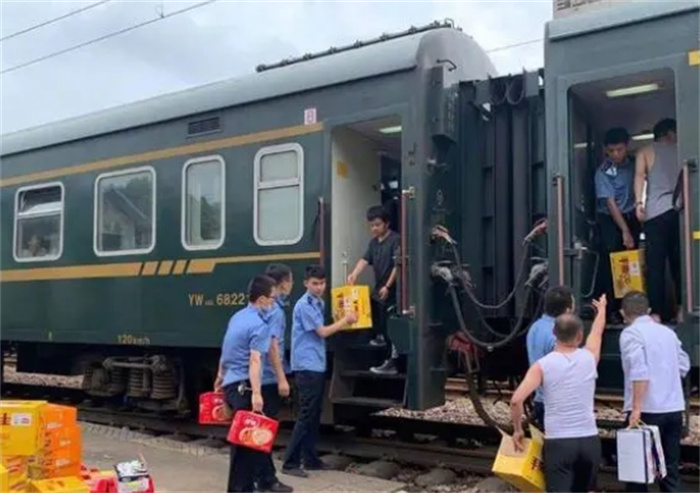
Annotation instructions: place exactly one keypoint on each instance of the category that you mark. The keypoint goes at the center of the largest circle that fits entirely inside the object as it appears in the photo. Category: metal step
(369, 374)
(369, 402)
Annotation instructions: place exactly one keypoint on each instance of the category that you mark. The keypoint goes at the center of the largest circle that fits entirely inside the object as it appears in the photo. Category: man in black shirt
(381, 253)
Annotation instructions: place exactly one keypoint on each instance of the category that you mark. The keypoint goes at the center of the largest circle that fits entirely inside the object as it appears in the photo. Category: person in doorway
(245, 345)
(381, 255)
(567, 375)
(275, 368)
(541, 341)
(658, 165)
(309, 333)
(653, 363)
(619, 227)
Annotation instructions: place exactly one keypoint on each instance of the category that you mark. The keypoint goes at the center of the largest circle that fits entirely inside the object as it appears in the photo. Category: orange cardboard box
(55, 416)
(38, 472)
(70, 484)
(61, 438)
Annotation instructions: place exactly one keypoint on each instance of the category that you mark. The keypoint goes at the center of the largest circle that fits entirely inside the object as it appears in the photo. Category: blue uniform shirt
(308, 348)
(615, 182)
(247, 330)
(277, 322)
(540, 342)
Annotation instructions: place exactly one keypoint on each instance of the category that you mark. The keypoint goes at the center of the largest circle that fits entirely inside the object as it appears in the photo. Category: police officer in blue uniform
(245, 346)
(309, 334)
(275, 368)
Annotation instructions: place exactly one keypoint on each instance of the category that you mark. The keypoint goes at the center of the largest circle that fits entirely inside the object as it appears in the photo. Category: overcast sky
(216, 41)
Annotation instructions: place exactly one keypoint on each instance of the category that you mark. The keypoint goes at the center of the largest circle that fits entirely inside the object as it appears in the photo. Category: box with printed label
(352, 298)
(627, 271)
(17, 472)
(60, 439)
(55, 417)
(522, 469)
(20, 422)
(71, 484)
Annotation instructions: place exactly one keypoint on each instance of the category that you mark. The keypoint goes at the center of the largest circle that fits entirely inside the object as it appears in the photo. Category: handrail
(322, 231)
(559, 184)
(687, 237)
(403, 302)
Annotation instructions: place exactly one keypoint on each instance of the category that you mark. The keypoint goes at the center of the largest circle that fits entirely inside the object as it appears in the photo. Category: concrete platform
(191, 467)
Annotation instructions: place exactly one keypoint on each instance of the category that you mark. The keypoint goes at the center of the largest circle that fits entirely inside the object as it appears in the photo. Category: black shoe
(295, 471)
(276, 487)
(387, 368)
(319, 466)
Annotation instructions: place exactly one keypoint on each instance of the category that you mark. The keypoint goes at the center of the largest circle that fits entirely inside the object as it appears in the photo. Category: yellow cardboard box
(354, 298)
(70, 484)
(20, 423)
(521, 469)
(17, 469)
(4, 479)
(627, 271)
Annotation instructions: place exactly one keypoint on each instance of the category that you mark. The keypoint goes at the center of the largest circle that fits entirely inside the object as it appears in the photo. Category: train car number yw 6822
(219, 299)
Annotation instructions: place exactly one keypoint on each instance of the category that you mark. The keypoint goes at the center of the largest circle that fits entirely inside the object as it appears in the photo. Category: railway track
(463, 448)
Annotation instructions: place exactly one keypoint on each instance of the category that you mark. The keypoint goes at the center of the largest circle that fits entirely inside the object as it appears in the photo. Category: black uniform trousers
(247, 466)
(670, 428)
(310, 386)
(662, 244)
(571, 464)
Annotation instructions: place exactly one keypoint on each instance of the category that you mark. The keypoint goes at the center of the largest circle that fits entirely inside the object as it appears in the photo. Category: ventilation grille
(203, 126)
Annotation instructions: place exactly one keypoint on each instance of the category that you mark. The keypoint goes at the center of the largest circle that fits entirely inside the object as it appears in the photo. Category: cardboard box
(627, 271)
(55, 417)
(213, 409)
(71, 484)
(20, 422)
(354, 298)
(17, 467)
(61, 438)
(521, 469)
(4, 478)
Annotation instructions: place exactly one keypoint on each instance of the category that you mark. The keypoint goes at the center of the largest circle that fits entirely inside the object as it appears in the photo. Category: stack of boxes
(40, 447)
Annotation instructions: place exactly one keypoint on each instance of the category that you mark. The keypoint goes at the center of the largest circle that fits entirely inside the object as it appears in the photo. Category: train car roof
(620, 15)
(383, 55)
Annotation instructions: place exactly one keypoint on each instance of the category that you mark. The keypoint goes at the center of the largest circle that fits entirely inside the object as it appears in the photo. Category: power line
(106, 36)
(515, 45)
(55, 19)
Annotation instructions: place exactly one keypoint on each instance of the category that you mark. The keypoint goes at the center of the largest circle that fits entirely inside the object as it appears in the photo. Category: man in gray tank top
(567, 376)
(658, 165)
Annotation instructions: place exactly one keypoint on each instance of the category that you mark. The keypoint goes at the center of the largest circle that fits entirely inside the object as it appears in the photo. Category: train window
(125, 214)
(278, 204)
(203, 203)
(39, 223)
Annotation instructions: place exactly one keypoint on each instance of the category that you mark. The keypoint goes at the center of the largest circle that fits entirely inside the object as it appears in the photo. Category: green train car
(136, 229)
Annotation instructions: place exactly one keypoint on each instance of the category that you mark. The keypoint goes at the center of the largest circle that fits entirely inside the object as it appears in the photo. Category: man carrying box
(619, 227)
(567, 375)
(653, 363)
(380, 254)
(309, 334)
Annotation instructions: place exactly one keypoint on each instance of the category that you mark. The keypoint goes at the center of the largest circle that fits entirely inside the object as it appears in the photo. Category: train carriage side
(626, 66)
(137, 228)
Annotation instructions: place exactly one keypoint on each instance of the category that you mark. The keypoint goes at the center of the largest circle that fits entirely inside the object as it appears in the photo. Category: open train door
(620, 67)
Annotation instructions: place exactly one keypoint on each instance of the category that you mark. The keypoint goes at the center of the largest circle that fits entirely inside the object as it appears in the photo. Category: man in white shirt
(653, 363)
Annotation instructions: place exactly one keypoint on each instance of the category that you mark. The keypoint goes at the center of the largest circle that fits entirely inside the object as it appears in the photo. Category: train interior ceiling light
(632, 90)
(395, 129)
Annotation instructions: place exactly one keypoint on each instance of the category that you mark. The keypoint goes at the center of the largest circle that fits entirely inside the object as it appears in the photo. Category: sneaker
(276, 487)
(378, 341)
(295, 471)
(387, 368)
(319, 466)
